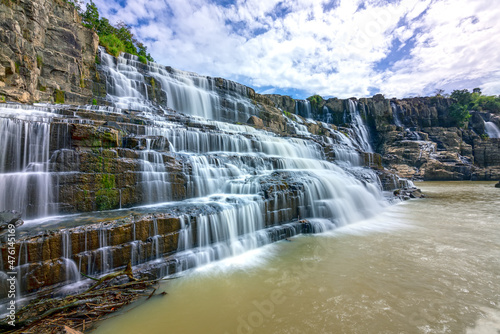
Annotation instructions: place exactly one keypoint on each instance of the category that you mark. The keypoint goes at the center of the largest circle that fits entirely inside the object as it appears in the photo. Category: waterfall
(303, 108)
(492, 130)
(26, 184)
(395, 115)
(128, 81)
(241, 187)
(359, 128)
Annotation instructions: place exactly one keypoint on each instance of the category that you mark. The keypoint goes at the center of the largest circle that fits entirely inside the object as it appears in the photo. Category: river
(423, 266)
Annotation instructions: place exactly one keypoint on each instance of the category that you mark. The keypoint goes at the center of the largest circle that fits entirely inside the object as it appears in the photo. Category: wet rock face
(9, 218)
(416, 138)
(45, 53)
(93, 249)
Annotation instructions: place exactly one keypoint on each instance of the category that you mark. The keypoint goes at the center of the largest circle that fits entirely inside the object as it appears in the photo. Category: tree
(91, 16)
(115, 39)
(459, 114)
(439, 92)
(463, 97)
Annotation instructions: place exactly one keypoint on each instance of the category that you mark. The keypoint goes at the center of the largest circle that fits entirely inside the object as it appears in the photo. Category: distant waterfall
(492, 130)
(303, 108)
(395, 115)
(359, 127)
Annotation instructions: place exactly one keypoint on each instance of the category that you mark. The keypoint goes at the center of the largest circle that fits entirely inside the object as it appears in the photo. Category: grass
(59, 96)
(114, 46)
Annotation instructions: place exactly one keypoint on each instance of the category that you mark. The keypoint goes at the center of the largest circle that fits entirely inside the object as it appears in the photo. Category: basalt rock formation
(416, 136)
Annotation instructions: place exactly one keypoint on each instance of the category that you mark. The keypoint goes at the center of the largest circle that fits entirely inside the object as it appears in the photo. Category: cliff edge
(46, 55)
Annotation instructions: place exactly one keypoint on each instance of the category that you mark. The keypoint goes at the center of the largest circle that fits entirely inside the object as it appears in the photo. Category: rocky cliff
(415, 136)
(46, 55)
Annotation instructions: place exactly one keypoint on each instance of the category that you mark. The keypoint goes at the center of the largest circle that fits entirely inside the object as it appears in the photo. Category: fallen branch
(54, 310)
(127, 271)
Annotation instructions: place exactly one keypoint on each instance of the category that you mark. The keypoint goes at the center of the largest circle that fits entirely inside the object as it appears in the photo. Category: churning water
(424, 266)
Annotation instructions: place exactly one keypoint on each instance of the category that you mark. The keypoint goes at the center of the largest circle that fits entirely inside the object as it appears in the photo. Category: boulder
(497, 185)
(9, 217)
(257, 122)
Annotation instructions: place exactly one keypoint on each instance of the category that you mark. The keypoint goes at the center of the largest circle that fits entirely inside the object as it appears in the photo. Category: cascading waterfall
(185, 92)
(303, 108)
(26, 184)
(492, 130)
(249, 185)
(358, 126)
(397, 121)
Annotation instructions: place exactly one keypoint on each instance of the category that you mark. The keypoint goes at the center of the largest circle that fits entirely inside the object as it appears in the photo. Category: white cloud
(342, 52)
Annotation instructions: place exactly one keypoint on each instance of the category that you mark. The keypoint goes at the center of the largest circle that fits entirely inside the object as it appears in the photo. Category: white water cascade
(186, 92)
(229, 164)
(397, 121)
(492, 130)
(26, 184)
(243, 187)
(359, 128)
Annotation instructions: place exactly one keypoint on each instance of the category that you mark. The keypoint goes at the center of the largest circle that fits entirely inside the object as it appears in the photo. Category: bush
(59, 96)
(315, 100)
(459, 114)
(114, 46)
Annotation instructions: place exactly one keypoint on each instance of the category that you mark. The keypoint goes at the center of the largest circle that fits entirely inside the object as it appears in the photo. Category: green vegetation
(315, 100)
(59, 96)
(7, 3)
(116, 38)
(17, 65)
(465, 101)
(39, 62)
(107, 196)
(114, 46)
(2, 99)
(94, 102)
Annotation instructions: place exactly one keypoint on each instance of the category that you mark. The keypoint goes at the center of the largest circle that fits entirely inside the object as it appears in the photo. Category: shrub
(59, 96)
(315, 100)
(114, 46)
(459, 114)
(39, 62)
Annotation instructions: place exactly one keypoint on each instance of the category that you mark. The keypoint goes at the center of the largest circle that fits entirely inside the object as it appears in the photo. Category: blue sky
(339, 48)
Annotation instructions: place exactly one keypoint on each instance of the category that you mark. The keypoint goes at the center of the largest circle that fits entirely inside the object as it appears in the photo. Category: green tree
(115, 39)
(459, 114)
(462, 97)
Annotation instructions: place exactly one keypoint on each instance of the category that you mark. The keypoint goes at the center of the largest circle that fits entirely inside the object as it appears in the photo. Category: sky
(334, 48)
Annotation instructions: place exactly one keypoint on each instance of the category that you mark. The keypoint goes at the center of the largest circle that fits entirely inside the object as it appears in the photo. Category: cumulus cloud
(337, 48)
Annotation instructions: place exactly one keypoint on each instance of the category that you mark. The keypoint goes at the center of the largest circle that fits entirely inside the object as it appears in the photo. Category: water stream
(423, 266)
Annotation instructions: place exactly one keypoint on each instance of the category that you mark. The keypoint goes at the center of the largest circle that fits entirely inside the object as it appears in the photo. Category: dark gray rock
(9, 217)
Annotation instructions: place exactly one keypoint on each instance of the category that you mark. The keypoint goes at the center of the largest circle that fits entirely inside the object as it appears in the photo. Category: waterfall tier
(167, 178)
